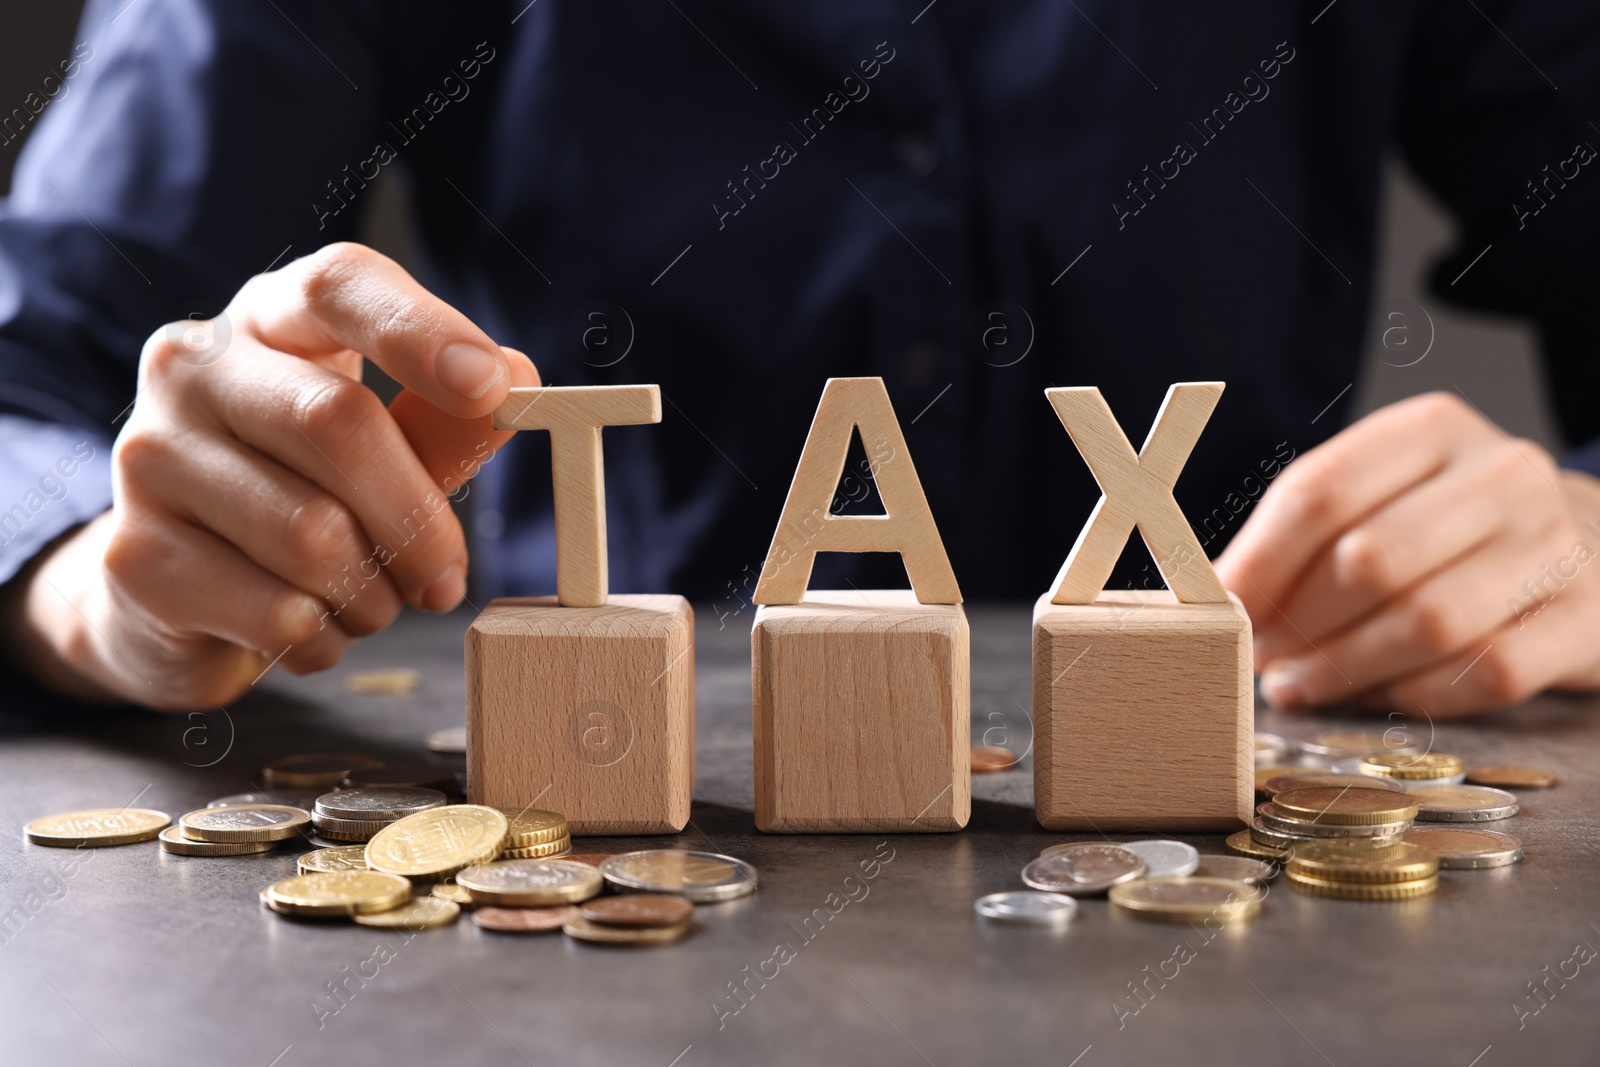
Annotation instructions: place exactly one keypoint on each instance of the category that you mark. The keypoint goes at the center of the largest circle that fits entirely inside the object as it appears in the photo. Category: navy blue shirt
(737, 200)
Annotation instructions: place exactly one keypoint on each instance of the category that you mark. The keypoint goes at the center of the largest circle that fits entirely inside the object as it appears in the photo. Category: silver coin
(1468, 849)
(1089, 868)
(1028, 908)
(1235, 869)
(452, 740)
(1263, 835)
(365, 828)
(253, 817)
(1165, 859)
(511, 876)
(1270, 749)
(703, 877)
(383, 803)
(1462, 803)
(291, 798)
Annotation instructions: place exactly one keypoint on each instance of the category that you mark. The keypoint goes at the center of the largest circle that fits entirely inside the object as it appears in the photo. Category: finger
(191, 581)
(1509, 666)
(347, 296)
(337, 434)
(1412, 536)
(451, 449)
(1444, 615)
(1326, 490)
(284, 523)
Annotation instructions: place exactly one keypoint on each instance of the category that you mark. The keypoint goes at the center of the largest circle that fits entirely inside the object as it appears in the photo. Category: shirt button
(918, 156)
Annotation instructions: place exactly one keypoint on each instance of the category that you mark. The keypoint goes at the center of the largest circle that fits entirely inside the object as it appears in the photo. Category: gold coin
(1468, 849)
(529, 826)
(538, 852)
(340, 835)
(1348, 861)
(453, 893)
(1182, 900)
(338, 893)
(531, 883)
(1245, 845)
(1325, 779)
(96, 827)
(584, 930)
(1427, 766)
(244, 822)
(1343, 806)
(418, 913)
(338, 858)
(1512, 777)
(173, 840)
(524, 920)
(1267, 774)
(439, 841)
(392, 680)
(314, 770)
(1363, 890)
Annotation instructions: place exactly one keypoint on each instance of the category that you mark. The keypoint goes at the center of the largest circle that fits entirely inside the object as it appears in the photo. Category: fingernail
(467, 370)
(448, 590)
(1281, 687)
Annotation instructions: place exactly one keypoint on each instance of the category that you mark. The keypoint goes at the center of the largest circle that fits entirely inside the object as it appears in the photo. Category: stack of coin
(1434, 768)
(535, 834)
(358, 814)
(1327, 812)
(234, 829)
(1363, 870)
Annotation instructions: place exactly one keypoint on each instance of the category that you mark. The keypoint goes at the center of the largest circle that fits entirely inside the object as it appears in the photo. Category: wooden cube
(588, 711)
(861, 714)
(1144, 715)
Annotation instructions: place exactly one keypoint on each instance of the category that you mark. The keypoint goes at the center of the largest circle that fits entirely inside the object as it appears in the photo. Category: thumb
(453, 449)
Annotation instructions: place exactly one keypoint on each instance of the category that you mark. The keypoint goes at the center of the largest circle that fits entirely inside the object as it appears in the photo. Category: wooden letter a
(808, 527)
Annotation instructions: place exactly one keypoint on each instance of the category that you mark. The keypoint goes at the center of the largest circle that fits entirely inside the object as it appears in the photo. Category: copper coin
(314, 770)
(992, 758)
(524, 920)
(638, 909)
(593, 859)
(1511, 777)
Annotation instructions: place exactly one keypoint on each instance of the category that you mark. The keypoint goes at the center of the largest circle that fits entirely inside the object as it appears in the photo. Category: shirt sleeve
(1497, 116)
(188, 145)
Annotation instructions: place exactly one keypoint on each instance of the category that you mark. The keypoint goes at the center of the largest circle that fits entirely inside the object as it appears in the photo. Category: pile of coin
(1363, 869)
(1151, 879)
(1289, 825)
(358, 814)
(1332, 812)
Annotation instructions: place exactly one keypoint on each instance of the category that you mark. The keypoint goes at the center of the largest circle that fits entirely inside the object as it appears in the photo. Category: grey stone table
(132, 956)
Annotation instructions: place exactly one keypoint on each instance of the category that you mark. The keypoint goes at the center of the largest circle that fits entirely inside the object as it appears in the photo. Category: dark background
(1493, 360)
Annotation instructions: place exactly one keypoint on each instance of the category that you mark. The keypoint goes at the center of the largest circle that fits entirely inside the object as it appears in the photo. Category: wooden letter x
(574, 416)
(1137, 491)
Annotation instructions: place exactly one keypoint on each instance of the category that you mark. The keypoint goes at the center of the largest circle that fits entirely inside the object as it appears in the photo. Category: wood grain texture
(1143, 714)
(574, 416)
(585, 711)
(808, 526)
(1137, 491)
(861, 703)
